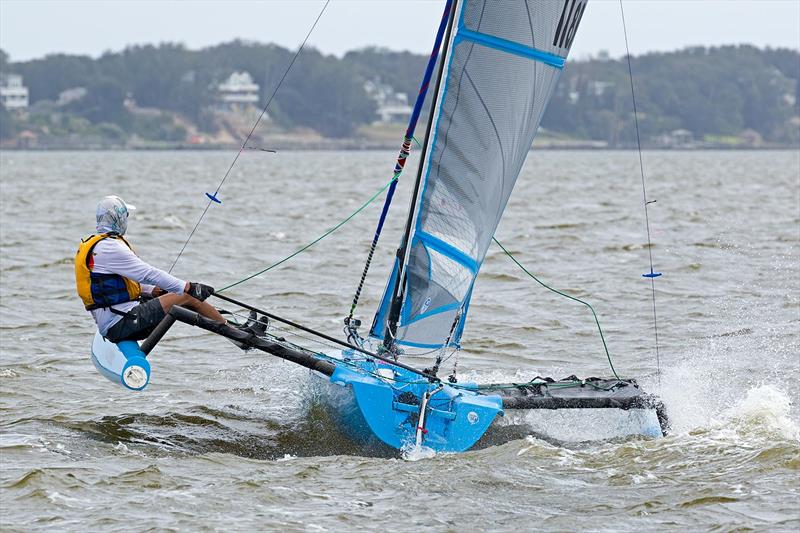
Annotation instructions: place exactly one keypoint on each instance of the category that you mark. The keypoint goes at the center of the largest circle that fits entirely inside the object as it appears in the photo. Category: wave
(206, 430)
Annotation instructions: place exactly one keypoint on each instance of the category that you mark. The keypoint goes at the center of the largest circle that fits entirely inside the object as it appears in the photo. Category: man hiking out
(111, 279)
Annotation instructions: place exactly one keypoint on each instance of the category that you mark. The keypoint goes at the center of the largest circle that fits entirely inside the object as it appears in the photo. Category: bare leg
(184, 300)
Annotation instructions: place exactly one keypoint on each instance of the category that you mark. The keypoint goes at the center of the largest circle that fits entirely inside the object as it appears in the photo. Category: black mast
(397, 292)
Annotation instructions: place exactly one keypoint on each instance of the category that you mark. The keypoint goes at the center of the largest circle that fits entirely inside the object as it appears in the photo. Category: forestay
(503, 61)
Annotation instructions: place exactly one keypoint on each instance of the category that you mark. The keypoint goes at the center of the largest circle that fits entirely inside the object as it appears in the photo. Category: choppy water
(226, 441)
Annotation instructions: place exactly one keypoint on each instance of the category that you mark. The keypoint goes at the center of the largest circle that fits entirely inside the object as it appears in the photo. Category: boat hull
(380, 405)
(581, 425)
(364, 405)
(378, 402)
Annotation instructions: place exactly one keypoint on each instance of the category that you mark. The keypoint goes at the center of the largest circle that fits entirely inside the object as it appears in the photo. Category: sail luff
(402, 252)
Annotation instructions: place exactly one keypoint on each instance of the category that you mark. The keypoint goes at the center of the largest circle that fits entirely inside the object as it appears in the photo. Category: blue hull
(377, 404)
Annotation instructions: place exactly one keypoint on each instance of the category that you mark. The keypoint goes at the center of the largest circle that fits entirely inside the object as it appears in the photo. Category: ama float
(498, 63)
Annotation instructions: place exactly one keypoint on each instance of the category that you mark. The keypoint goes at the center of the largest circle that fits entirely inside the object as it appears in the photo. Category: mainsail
(502, 63)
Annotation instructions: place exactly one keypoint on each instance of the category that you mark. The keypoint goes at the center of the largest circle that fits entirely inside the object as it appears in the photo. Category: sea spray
(413, 452)
(766, 409)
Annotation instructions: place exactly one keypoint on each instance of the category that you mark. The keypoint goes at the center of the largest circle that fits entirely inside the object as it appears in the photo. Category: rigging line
(652, 275)
(315, 241)
(548, 287)
(441, 350)
(405, 151)
(212, 197)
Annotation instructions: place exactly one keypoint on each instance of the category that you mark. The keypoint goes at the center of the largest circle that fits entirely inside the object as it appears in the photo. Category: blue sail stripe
(438, 310)
(511, 47)
(448, 250)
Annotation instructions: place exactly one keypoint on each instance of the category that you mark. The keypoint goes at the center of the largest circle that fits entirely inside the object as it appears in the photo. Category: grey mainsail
(503, 61)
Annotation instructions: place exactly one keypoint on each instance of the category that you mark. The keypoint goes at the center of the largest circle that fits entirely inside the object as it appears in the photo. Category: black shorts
(139, 322)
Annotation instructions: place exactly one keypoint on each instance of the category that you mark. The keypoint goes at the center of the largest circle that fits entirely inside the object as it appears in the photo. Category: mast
(402, 251)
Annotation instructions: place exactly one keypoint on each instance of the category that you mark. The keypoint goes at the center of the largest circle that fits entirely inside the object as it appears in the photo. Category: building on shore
(71, 95)
(392, 106)
(27, 140)
(238, 93)
(679, 138)
(13, 94)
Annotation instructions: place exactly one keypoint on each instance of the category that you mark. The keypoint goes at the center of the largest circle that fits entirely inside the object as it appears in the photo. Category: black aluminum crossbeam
(301, 357)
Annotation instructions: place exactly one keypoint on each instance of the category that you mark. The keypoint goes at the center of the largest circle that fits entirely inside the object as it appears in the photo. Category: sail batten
(512, 48)
(502, 63)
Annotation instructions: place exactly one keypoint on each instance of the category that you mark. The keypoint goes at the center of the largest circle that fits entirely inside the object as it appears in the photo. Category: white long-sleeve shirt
(112, 256)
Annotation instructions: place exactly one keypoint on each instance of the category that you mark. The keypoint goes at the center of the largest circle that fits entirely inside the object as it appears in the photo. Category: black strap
(110, 308)
(115, 311)
(125, 314)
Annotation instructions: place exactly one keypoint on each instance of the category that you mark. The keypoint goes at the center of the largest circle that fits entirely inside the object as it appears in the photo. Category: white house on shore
(392, 106)
(238, 92)
(13, 94)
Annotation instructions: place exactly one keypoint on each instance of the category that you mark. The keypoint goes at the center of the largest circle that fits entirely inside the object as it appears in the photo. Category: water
(223, 440)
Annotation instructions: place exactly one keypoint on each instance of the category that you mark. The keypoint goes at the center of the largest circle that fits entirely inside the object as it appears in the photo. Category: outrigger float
(500, 62)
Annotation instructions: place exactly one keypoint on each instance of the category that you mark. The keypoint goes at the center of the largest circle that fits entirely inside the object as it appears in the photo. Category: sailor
(113, 282)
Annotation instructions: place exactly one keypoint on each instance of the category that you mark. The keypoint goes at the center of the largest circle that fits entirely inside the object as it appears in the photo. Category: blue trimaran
(500, 62)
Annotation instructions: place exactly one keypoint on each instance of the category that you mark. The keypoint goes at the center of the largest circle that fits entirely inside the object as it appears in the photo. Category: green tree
(47, 78)
(326, 97)
(8, 126)
(709, 91)
(104, 102)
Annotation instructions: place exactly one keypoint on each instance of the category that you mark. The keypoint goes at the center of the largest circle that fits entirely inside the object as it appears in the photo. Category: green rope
(315, 241)
(364, 206)
(546, 286)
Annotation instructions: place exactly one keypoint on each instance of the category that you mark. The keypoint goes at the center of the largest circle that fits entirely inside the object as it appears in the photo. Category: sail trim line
(511, 47)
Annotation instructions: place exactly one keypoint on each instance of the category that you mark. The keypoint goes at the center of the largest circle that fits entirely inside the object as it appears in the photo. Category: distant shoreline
(169, 98)
(362, 147)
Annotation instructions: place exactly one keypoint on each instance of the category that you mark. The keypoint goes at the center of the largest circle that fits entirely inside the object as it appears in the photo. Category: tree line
(719, 91)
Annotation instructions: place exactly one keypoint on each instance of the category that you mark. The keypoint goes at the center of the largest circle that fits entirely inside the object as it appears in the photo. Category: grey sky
(34, 28)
